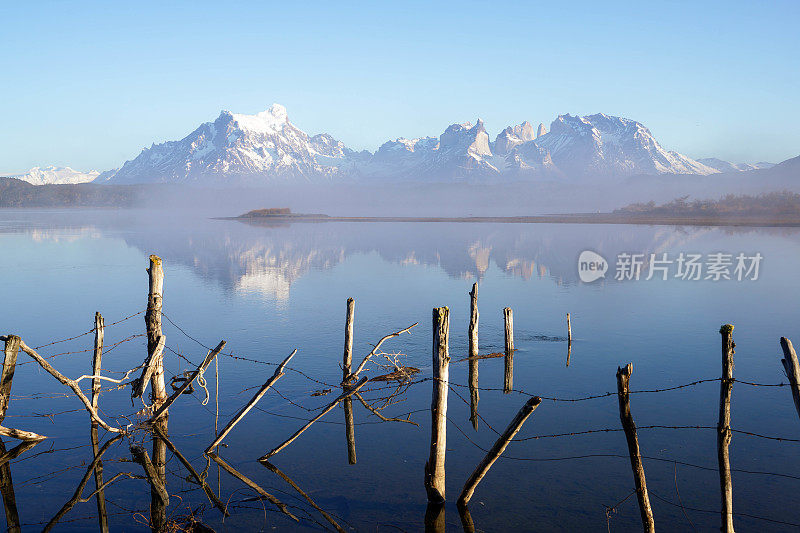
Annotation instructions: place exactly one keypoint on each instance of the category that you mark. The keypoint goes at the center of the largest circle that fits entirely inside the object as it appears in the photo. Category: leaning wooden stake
(623, 378)
(9, 365)
(253, 401)
(434, 467)
(350, 391)
(508, 374)
(724, 433)
(792, 368)
(497, 449)
(472, 333)
(347, 362)
(161, 411)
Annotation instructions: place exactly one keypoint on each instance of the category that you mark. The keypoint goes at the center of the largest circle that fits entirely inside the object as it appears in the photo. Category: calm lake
(268, 290)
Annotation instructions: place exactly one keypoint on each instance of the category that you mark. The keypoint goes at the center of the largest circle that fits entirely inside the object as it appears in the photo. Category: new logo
(591, 266)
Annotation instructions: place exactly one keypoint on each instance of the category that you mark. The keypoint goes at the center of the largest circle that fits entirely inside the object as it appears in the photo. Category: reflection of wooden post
(724, 433)
(497, 449)
(349, 424)
(7, 490)
(474, 395)
(466, 519)
(434, 468)
(623, 378)
(6, 379)
(792, 368)
(102, 514)
(508, 375)
(158, 507)
(434, 518)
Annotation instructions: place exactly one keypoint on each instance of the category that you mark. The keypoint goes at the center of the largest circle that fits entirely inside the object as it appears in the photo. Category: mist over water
(269, 289)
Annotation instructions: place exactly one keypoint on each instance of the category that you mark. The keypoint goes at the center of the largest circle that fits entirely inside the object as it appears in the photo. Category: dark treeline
(18, 193)
(774, 203)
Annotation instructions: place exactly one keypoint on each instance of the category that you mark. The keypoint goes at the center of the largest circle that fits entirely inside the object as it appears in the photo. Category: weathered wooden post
(434, 467)
(347, 362)
(472, 333)
(158, 393)
(724, 433)
(569, 330)
(10, 352)
(623, 378)
(497, 449)
(99, 334)
(508, 374)
(792, 368)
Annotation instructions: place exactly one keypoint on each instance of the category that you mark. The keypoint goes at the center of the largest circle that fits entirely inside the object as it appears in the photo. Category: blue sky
(89, 84)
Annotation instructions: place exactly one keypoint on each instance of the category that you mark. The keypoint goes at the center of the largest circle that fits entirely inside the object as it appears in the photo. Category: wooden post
(99, 333)
(472, 333)
(508, 374)
(9, 365)
(792, 368)
(724, 433)
(623, 378)
(497, 449)
(434, 467)
(152, 318)
(347, 362)
(569, 330)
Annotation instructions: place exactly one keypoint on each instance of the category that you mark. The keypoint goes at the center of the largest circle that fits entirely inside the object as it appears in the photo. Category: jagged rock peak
(541, 130)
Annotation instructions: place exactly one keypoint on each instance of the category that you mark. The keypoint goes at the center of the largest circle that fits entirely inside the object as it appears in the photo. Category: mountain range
(268, 148)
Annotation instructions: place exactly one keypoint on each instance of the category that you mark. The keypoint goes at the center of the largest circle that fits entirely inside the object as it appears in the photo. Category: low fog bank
(471, 199)
(413, 198)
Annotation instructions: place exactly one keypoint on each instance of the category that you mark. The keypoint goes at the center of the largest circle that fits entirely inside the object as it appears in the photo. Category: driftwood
(375, 349)
(472, 333)
(140, 456)
(76, 497)
(249, 405)
(792, 368)
(272, 468)
(434, 467)
(187, 382)
(508, 370)
(628, 425)
(346, 394)
(200, 481)
(148, 368)
(72, 384)
(253, 485)
(724, 433)
(497, 449)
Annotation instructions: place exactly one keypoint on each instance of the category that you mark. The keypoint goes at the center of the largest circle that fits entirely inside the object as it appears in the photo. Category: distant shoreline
(578, 218)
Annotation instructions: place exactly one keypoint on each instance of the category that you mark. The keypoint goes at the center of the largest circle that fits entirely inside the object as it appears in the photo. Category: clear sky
(89, 84)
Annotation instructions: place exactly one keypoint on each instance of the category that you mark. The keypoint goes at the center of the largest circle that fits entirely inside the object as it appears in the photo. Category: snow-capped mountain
(725, 166)
(267, 147)
(605, 145)
(242, 148)
(51, 175)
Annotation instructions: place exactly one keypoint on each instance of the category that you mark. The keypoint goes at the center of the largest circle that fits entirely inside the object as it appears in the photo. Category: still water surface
(267, 290)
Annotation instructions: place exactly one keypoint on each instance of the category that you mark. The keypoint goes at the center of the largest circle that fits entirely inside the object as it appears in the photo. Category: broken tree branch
(375, 350)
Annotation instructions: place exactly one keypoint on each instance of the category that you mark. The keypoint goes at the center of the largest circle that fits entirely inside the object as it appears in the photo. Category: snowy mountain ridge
(268, 148)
